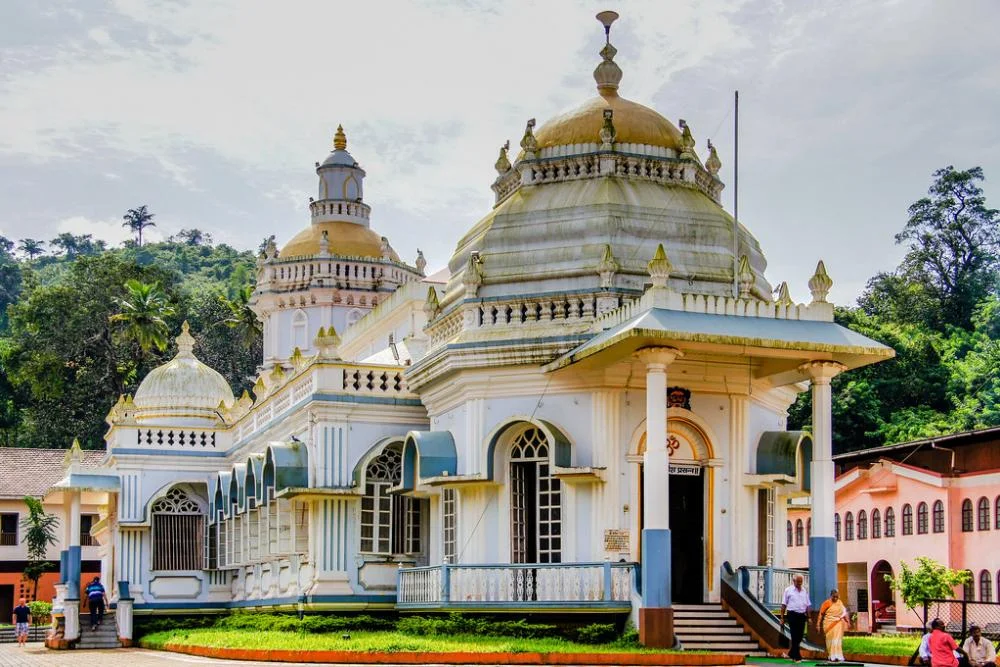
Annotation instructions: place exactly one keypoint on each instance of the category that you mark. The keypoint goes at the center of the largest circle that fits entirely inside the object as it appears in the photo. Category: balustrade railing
(768, 583)
(587, 584)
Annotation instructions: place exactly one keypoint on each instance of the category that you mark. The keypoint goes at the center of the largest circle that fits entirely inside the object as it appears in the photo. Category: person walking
(96, 599)
(21, 617)
(832, 620)
(979, 651)
(795, 605)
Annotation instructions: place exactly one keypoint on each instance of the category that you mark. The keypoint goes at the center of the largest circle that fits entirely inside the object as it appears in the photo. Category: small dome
(182, 389)
(634, 123)
(345, 239)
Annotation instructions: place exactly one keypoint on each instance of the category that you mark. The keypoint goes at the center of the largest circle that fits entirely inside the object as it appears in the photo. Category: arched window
(535, 501)
(300, 330)
(939, 516)
(390, 523)
(848, 527)
(178, 528)
(862, 525)
(983, 518)
(890, 522)
(969, 587)
(985, 586)
(836, 526)
(996, 519)
(907, 519)
(798, 532)
(922, 519)
(876, 524)
(966, 516)
(788, 535)
(809, 529)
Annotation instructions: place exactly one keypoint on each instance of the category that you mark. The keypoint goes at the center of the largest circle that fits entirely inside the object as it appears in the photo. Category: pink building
(938, 498)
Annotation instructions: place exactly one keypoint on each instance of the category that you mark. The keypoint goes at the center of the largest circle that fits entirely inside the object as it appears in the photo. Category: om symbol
(673, 444)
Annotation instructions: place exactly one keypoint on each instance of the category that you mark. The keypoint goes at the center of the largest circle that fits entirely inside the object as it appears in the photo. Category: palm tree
(31, 247)
(137, 219)
(241, 317)
(39, 532)
(143, 311)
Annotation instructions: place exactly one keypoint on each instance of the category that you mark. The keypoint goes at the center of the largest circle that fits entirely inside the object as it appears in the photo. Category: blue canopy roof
(433, 452)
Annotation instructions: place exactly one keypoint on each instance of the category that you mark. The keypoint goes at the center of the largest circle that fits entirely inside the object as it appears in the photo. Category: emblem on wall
(678, 397)
(673, 444)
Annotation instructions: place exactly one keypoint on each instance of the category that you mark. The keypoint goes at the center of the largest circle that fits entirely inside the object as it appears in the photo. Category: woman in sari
(832, 619)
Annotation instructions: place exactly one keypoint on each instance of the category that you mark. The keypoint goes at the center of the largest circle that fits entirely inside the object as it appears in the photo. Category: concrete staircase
(106, 635)
(709, 627)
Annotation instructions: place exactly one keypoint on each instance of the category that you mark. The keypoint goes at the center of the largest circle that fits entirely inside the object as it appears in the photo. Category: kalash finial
(185, 342)
(340, 139)
(608, 74)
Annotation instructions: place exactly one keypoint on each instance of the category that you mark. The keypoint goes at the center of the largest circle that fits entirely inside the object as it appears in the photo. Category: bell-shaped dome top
(183, 391)
(634, 124)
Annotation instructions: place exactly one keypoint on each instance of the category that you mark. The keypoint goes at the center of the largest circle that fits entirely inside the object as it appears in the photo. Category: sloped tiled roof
(30, 472)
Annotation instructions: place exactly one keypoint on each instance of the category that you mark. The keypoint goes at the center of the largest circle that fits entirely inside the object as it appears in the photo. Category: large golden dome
(634, 124)
(348, 239)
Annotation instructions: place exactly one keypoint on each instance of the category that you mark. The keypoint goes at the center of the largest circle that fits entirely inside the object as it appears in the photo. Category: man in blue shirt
(96, 599)
(22, 621)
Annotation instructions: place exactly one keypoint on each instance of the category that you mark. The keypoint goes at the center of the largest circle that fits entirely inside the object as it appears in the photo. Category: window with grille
(178, 532)
(983, 511)
(907, 520)
(876, 524)
(211, 548)
(390, 523)
(862, 525)
(985, 587)
(8, 530)
(536, 501)
(969, 587)
(939, 516)
(848, 526)
(836, 526)
(890, 522)
(799, 532)
(87, 522)
(966, 516)
(449, 523)
(922, 519)
(788, 533)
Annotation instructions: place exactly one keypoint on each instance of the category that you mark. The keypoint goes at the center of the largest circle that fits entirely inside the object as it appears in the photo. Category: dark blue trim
(131, 451)
(656, 571)
(366, 400)
(63, 555)
(822, 568)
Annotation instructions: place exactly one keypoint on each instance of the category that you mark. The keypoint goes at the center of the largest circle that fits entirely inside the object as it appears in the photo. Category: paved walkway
(36, 655)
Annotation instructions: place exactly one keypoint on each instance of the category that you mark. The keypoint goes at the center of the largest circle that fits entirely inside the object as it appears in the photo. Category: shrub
(597, 633)
(459, 624)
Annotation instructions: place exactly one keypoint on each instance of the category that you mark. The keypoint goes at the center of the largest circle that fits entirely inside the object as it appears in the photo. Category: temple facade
(585, 412)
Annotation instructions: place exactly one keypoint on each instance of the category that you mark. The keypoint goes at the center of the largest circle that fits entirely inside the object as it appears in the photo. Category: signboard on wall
(690, 470)
(616, 540)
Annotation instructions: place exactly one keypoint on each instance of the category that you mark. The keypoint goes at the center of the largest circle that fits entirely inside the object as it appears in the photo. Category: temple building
(585, 413)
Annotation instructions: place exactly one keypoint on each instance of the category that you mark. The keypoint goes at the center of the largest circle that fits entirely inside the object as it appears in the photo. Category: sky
(213, 112)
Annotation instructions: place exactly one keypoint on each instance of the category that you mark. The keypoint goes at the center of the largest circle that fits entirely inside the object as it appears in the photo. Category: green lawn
(883, 644)
(369, 641)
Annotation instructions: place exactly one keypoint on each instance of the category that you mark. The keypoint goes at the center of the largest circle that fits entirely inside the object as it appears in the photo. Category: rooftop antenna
(607, 18)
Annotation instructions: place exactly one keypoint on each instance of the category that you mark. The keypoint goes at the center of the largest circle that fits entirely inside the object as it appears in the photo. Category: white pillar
(822, 544)
(656, 460)
(74, 518)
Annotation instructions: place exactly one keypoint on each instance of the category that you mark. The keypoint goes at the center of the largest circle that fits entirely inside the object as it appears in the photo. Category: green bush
(597, 633)
(40, 609)
(459, 624)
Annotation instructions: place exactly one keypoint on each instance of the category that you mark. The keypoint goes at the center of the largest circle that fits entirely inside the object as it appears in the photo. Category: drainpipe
(936, 446)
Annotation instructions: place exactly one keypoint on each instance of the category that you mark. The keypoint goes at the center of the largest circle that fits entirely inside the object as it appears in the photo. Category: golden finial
(185, 341)
(340, 139)
(608, 75)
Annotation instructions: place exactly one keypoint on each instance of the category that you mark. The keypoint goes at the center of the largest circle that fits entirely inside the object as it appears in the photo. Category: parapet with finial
(660, 267)
(713, 164)
(328, 343)
(745, 277)
(502, 164)
(820, 284)
(608, 267)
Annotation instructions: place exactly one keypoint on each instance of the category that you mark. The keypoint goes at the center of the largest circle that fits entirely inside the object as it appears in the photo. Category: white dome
(183, 391)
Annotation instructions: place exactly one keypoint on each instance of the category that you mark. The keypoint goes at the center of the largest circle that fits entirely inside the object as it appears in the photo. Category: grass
(376, 642)
(903, 645)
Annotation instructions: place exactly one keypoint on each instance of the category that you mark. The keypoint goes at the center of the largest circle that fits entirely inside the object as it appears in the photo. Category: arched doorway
(690, 507)
(882, 600)
(535, 501)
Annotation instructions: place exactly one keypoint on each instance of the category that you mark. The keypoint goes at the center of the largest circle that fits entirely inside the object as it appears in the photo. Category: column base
(656, 627)
(822, 568)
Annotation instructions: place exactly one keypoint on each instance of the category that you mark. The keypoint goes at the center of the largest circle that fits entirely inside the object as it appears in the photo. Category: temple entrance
(687, 537)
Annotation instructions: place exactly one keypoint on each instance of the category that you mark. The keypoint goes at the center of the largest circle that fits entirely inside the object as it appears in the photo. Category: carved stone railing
(339, 208)
(169, 437)
(496, 586)
(767, 584)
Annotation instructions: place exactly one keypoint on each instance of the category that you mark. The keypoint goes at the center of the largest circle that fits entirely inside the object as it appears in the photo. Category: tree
(74, 245)
(929, 581)
(194, 237)
(241, 319)
(138, 219)
(143, 311)
(954, 239)
(39, 533)
(32, 248)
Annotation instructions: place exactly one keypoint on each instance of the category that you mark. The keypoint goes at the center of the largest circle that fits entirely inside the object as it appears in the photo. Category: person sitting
(943, 649)
(980, 651)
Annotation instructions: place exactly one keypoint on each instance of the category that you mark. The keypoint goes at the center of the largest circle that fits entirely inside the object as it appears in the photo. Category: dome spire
(608, 74)
(185, 342)
(340, 139)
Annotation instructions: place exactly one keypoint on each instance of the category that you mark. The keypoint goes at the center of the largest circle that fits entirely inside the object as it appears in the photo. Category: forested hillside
(81, 323)
(84, 323)
(939, 309)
